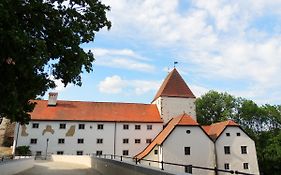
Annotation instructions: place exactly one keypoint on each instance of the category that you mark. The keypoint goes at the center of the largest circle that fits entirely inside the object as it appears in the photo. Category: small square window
(100, 126)
(186, 150)
(79, 152)
(125, 140)
(227, 150)
(243, 149)
(98, 152)
(99, 141)
(33, 141)
(226, 166)
(125, 152)
(62, 125)
(80, 141)
(188, 169)
(125, 127)
(137, 127)
(81, 126)
(227, 134)
(137, 141)
(61, 141)
(148, 140)
(38, 153)
(149, 127)
(59, 152)
(35, 125)
(238, 134)
(245, 166)
(155, 151)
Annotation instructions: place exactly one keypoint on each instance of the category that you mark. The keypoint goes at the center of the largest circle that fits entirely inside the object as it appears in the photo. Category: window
(226, 149)
(98, 152)
(81, 126)
(60, 153)
(243, 149)
(149, 127)
(62, 125)
(137, 140)
(245, 166)
(126, 127)
(186, 150)
(38, 153)
(155, 151)
(188, 131)
(79, 152)
(227, 134)
(35, 125)
(148, 140)
(188, 169)
(125, 152)
(80, 141)
(33, 141)
(60, 141)
(99, 141)
(125, 140)
(238, 134)
(226, 166)
(137, 127)
(100, 126)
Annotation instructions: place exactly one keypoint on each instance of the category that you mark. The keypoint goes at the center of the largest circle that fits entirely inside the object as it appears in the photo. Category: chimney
(52, 99)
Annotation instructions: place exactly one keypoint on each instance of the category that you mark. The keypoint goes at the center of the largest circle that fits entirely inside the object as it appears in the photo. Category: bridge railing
(162, 164)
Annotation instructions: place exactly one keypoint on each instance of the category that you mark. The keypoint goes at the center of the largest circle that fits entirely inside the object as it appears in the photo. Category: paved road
(43, 167)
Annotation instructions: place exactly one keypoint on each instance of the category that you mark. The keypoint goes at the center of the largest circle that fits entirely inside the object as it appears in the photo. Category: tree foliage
(41, 37)
(262, 123)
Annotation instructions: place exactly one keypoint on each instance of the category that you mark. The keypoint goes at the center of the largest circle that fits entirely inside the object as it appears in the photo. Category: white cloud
(115, 84)
(59, 85)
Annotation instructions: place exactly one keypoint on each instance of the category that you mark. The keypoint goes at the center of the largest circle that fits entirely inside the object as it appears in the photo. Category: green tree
(42, 36)
(214, 107)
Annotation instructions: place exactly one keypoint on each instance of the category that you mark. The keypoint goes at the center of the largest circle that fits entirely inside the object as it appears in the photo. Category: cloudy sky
(232, 46)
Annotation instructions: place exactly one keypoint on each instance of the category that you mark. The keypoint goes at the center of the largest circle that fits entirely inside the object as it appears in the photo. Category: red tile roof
(214, 130)
(182, 120)
(95, 111)
(174, 86)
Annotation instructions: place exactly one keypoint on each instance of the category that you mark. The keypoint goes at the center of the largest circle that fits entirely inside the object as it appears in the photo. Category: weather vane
(175, 62)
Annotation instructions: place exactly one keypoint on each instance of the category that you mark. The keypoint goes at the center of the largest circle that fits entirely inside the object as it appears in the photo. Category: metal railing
(162, 163)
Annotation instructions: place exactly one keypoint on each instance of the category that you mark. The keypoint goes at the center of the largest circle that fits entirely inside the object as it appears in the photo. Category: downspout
(216, 158)
(114, 144)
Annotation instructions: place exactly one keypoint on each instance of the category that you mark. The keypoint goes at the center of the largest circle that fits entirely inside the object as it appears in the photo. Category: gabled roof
(95, 111)
(182, 120)
(174, 86)
(214, 130)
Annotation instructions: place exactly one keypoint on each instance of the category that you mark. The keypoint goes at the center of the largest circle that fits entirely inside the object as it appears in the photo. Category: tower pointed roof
(174, 86)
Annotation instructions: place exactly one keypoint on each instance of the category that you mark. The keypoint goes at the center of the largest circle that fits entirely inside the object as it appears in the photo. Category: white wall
(201, 149)
(235, 158)
(170, 107)
(84, 160)
(153, 156)
(90, 135)
(8, 167)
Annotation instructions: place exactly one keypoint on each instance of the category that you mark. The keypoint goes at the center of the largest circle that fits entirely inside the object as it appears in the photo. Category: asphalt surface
(43, 167)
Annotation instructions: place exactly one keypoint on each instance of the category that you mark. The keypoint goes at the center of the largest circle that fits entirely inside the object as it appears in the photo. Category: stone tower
(174, 97)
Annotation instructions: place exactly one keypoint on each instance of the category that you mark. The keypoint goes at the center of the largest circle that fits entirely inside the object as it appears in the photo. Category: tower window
(243, 149)
(245, 166)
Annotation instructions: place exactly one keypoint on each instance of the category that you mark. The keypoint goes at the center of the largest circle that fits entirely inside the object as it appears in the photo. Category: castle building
(165, 130)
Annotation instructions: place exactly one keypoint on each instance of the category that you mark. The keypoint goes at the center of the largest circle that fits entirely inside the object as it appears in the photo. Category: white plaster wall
(132, 134)
(170, 107)
(90, 135)
(201, 149)
(235, 158)
(152, 156)
(8, 167)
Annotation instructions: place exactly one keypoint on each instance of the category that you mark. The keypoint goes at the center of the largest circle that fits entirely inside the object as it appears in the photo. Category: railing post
(162, 165)
(105, 156)
(111, 156)
(136, 161)
(121, 158)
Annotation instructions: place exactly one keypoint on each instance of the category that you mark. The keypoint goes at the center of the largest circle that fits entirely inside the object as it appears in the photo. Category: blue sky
(232, 46)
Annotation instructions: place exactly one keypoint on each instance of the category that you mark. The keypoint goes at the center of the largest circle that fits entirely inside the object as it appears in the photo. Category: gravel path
(43, 167)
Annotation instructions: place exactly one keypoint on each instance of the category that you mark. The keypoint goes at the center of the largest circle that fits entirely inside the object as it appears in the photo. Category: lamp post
(47, 149)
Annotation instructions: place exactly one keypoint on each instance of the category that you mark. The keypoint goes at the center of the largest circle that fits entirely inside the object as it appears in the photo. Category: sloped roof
(95, 111)
(182, 120)
(174, 86)
(214, 130)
